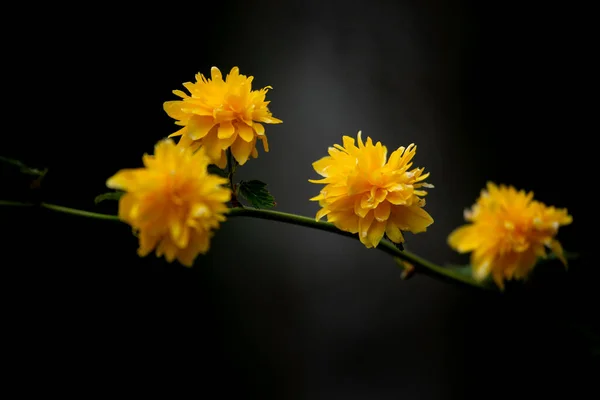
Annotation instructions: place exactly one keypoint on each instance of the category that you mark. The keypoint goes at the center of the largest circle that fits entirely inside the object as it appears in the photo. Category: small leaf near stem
(24, 169)
(37, 174)
(256, 193)
(231, 167)
(116, 195)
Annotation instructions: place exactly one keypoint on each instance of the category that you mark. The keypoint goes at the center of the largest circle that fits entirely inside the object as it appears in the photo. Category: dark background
(276, 311)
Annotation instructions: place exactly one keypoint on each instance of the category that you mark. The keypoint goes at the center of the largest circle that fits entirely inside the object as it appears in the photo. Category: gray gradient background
(277, 311)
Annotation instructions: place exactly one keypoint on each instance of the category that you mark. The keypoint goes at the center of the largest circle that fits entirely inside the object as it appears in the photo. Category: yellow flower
(368, 194)
(221, 114)
(172, 203)
(508, 231)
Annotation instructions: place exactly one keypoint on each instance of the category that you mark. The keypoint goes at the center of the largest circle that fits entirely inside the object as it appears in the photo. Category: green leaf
(34, 175)
(256, 193)
(116, 195)
(24, 169)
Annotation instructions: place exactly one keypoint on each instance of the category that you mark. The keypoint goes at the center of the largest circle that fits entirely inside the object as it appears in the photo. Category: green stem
(62, 209)
(421, 265)
(231, 166)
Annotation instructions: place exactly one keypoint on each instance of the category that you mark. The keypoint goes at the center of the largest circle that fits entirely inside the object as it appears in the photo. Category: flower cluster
(173, 203)
(508, 232)
(221, 114)
(369, 194)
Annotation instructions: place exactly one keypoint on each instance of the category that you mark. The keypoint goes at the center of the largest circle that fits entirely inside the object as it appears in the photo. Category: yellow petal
(399, 197)
(270, 120)
(180, 132)
(258, 128)
(348, 222)
(173, 109)
(147, 243)
(241, 151)
(376, 232)
(184, 141)
(224, 144)
(413, 219)
(123, 179)
(464, 239)
(364, 224)
(380, 195)
(358, 208)
(168, 249)
(394, 160)
(196, 109)
(235, 71)
(198, 127)
(179, 233)
(215, 74)
(321, 166)
(222, 161)
(212, 145)
(557, 249)
(181, 94)
(265, 143)
(394, 233)
(226, 130)
(324, 180)
(382, 212)
(321, 213)
(481, 269)
(367, 201)
(361, 145)
(526, 262)
(245, 132)
(334, 191)
(126, 203)
(498, 276)
(348, 143)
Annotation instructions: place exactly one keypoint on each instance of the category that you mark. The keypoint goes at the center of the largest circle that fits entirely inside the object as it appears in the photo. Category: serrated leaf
(116, 195)
(256, 193)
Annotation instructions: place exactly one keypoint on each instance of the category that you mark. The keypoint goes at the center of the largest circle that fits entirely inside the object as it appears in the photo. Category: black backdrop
(274, 311)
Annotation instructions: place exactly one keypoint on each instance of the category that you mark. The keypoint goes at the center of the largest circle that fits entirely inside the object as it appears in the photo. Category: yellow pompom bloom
(173, 203)
(507, 232)
(221, 114)
(368, 194)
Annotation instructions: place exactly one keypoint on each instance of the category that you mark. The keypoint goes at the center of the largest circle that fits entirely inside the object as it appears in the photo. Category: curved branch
(421, 265)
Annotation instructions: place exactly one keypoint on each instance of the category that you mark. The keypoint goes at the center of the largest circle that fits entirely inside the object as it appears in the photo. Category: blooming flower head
(221, 114)
(172, 203)
(507, 232)
(369, 194)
